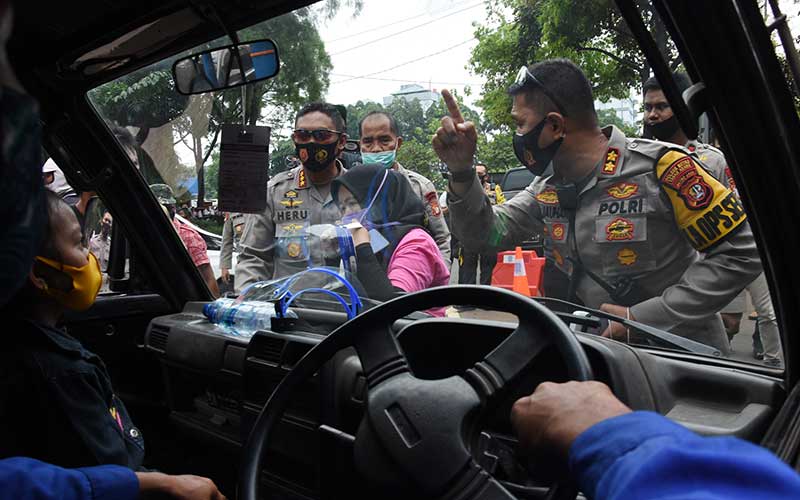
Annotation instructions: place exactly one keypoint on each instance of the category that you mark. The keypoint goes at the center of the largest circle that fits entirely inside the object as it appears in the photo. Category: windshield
(642, 229)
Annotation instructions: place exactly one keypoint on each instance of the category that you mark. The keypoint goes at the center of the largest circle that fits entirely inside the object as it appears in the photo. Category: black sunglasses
(320, 135)
(524, 77)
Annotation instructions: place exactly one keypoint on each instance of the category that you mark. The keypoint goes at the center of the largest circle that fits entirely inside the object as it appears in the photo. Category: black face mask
(527, 149)
(316, 157)
(663, 131)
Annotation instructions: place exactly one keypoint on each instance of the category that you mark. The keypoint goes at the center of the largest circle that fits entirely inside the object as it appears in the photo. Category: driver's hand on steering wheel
(555, 414)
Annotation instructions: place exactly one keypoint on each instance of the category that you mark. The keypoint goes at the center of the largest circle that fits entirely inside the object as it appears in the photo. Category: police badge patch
(622, 190)
(558, 231)
(548, 197)
(293, 249)
(705, 209)
(619, 229)
(683, 177)
(433, 202)
(627, 257)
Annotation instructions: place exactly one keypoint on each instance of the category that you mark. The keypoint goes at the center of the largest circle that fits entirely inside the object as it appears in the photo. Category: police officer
(231, 234)
(493, 191)
(277, 242)
(660, 122)
(380, 141)
(624, 218)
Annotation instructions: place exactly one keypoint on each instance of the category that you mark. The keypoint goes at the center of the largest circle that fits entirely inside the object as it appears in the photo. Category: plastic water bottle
(242, 319)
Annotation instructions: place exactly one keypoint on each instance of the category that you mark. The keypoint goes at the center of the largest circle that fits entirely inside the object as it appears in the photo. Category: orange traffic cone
(520, 284)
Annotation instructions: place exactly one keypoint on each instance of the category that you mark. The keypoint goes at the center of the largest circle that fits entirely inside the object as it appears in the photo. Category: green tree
(419, 156)
(282, 149)
(212, 175)
(591, 33)
(609, 117)
(356, 112)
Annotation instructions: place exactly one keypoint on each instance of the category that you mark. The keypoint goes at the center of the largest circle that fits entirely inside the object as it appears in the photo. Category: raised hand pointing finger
(452, 106)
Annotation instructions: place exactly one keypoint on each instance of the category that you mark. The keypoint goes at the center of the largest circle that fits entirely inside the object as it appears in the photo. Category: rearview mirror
(226, 67)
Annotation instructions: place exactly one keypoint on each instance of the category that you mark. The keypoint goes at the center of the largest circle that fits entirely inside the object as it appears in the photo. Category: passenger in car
(393, 251)
(56, 399)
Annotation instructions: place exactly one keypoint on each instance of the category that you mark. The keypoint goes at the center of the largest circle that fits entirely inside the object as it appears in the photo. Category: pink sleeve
(416, 263)
(195, 245)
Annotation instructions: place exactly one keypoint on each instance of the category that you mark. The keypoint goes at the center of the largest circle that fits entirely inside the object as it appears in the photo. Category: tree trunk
(198, 161)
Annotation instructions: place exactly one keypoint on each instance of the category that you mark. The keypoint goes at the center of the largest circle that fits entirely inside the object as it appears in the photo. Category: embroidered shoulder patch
(433, 203)
(706, 211)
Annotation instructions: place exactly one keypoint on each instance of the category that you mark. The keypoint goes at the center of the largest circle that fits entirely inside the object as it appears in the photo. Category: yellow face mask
(86, 282)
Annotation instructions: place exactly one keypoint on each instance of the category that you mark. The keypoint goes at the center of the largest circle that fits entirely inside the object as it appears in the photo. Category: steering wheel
(421, 427)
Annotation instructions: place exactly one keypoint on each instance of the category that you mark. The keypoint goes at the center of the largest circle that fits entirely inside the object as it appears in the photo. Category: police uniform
(495, 194)
(231, 234)
(714, 160)
(645, 213)
(435, 222)
(276, 243)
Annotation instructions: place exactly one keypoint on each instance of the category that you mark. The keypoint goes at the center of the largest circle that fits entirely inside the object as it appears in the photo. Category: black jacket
(57, 404)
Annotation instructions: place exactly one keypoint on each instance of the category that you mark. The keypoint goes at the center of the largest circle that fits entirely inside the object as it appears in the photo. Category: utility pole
(781, 25)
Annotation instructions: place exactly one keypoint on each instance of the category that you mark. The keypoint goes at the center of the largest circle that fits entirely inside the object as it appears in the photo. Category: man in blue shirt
(27, 479)
(615, 453)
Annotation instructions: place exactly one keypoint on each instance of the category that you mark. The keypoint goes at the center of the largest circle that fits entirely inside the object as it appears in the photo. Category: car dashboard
(217, 383)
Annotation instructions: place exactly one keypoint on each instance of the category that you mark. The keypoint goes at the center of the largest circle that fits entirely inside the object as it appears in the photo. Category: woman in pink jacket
(394, 253)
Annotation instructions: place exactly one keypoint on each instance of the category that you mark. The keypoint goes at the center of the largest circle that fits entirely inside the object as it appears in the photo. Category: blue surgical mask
(385, 158)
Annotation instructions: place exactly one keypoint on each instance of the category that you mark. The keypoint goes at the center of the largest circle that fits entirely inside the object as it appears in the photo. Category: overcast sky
(392, 33)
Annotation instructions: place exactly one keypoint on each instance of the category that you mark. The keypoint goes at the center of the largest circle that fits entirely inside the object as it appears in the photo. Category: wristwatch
(463, 176)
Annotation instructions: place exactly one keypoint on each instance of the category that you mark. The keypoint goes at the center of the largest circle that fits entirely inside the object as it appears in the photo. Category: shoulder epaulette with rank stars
(302, 181)
(705, 210)
(612, 160)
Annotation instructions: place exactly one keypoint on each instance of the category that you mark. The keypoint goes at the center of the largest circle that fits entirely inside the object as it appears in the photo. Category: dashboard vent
(269, 349)
(158, 338)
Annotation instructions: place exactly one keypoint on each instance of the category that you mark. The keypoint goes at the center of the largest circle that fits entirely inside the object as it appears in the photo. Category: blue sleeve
(28, 479)
(644, 455)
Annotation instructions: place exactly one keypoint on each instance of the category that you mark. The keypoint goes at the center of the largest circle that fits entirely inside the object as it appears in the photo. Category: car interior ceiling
(177, 374)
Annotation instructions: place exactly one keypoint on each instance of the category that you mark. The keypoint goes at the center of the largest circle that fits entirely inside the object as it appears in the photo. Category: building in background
(411, 92)
(629, 110)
